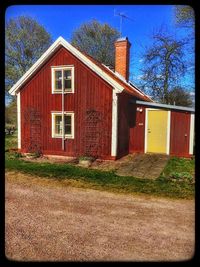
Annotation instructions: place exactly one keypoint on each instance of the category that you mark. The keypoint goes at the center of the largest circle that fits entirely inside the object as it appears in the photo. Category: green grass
(179, 165)
(107, 180)
(11, 141)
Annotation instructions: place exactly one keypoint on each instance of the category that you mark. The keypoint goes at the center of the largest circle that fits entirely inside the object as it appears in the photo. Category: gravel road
(52, 221)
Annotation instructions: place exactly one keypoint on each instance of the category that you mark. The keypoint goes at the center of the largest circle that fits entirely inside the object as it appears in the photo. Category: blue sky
(62, 20)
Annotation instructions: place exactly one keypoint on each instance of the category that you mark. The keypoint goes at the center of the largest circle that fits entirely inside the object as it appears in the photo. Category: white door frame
(168, 129)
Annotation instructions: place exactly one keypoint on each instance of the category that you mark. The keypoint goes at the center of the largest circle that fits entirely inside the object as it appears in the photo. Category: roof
(164, 106)
(113, 78)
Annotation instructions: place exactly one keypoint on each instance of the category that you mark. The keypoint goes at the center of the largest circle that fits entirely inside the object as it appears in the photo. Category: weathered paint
(91, 93)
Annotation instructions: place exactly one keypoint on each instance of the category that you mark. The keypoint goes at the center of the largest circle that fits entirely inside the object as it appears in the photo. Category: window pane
(58, 74)
(58, 119)
(67, 84)
(67, 74)
(58, 79)
(67, 119)
(58, 84)
(58, 129)
(67, 129)
(58, 124)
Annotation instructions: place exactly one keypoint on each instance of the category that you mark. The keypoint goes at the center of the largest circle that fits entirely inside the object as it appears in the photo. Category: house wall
(92, 98)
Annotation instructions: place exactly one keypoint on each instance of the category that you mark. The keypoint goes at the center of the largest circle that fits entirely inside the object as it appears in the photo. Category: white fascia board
(75, 52)
(154, 104)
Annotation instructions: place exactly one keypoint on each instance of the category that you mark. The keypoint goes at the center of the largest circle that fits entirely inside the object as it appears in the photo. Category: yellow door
(157, 131)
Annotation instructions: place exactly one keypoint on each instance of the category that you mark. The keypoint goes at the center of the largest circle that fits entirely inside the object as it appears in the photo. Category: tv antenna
(122, 16)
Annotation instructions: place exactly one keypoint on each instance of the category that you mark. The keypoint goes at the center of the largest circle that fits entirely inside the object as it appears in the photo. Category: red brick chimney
(122, 57)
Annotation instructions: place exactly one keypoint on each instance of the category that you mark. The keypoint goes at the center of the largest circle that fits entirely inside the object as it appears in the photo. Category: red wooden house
(70, 104)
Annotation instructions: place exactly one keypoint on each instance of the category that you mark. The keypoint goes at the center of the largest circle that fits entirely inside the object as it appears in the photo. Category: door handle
(185, 135)
(149, 131)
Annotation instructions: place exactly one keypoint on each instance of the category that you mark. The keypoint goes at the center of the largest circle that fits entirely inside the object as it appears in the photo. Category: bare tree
(163, 65)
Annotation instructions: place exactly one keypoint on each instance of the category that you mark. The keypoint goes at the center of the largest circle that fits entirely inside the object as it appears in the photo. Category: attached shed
(160, 128)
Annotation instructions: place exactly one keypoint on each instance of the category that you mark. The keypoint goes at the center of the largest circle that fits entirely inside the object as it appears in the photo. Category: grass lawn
(11, 141)
(176, 180)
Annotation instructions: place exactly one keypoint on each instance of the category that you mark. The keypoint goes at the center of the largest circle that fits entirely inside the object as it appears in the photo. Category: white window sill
(66, 136)
(60, 92)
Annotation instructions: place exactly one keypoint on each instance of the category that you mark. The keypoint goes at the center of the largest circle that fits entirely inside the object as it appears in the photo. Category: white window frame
(53, 134)
(61, 68)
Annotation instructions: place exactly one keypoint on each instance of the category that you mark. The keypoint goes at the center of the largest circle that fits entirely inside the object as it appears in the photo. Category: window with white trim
(62, 78)
(57, 125)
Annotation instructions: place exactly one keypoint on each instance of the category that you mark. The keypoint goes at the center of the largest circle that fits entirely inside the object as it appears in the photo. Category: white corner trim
(114, 124)
(75, 52)
(191, 134)
(168, 132)
(145, 133)
(19, 120)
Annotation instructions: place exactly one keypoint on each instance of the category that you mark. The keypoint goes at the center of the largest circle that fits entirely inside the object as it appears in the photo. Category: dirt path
(46, 220)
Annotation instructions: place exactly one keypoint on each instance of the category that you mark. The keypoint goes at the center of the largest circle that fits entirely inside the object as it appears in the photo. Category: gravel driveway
(51, 221)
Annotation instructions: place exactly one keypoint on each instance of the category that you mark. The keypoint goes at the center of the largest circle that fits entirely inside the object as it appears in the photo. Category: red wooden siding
(124, 115)
(180, 133)
(137, 129)
(92, 97)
